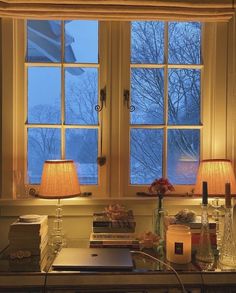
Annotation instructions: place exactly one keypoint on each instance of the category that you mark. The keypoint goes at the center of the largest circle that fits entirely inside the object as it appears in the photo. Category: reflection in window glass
(43, 41)
(145, 155)
(81, 95)
(184, 42)
(147, 96)
(147, 42)
(81, 41)
(184, 96)
(82, 147)
(43, 144)
(44, 95)
(183, 155)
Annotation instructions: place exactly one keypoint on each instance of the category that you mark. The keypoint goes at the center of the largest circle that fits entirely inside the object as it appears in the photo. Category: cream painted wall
(78, 213)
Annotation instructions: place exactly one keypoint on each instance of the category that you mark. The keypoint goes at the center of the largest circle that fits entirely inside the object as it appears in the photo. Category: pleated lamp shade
(59, 180)
(216, 172)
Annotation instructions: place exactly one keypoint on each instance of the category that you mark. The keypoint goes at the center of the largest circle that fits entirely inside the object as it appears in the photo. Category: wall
(78, 213)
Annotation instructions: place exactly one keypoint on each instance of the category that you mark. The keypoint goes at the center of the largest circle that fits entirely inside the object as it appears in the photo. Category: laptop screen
(95, 259)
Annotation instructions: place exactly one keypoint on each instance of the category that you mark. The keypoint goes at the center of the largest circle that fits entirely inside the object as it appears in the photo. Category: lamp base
(58, 239)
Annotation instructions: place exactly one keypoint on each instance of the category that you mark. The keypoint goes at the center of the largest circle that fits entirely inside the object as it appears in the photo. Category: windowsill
(169, 200)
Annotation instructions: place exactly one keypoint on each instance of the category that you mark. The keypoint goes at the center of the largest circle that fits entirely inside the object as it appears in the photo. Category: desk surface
(147, 273)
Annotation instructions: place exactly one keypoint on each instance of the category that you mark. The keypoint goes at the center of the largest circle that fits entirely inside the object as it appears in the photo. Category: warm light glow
(178, 244)
(59, 180)
(216, 173)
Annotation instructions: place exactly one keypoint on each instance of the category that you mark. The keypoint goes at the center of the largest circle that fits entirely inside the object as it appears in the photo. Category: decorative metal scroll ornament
(99, 108)
(127, 101)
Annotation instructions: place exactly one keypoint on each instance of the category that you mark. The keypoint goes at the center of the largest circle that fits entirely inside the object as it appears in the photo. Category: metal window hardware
(101, 161)
(99, 108)
(33, 192)
(127, 101)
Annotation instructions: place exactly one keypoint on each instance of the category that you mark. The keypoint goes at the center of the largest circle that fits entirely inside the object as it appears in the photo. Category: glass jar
(178, 244)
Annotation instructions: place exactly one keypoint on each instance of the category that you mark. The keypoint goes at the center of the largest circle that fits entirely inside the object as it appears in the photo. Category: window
(63, 77)
(63, 72)
(162, 136)
(165, 95)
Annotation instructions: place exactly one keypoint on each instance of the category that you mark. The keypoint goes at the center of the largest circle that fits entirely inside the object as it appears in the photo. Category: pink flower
(161, 186)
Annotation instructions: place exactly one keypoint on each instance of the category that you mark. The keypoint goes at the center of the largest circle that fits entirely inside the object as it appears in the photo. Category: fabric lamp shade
(59, 180)
(216, 172)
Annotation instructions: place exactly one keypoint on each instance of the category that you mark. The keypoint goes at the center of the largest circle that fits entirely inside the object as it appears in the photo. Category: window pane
(81, 95)
(147, 42)
(81, 41)
(43, 144)
(145, 155)
(184, 42)
(82, 147)
(43, 41)
(147, 96)
(44, 95)
(184, 96)
(183, 155)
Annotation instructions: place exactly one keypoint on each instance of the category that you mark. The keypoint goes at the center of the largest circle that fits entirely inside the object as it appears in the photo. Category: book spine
(197, 225)
(114, 224)
(133, 246)
(30, 236)
(198, 230)
(113, 229)
(112, 235)
(115, 242)
(28, 228)
(196, 238)
(34, 249)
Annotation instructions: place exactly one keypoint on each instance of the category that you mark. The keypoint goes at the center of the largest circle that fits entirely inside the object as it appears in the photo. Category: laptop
(93, 259)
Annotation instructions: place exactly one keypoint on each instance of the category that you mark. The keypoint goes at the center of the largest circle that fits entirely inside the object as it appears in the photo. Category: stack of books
(103, 224)
(195, 228)
(113, 233)
(28, 239)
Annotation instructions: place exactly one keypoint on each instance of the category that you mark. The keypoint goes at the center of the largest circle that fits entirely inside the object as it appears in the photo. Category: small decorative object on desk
(228, 246)
(160, 187)
(204, 255)
(114, 219)
(178, 244)
(149, 242)
(185, 216)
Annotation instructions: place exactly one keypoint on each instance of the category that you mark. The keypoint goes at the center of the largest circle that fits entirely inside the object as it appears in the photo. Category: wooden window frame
(215, 137)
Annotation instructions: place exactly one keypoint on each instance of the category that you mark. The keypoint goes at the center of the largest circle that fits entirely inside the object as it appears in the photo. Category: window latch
(101, 161)
(127, 101)
(99, 108)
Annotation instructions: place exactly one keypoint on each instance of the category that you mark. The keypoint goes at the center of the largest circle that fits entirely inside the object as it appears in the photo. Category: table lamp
(216, 172)
(59, 180)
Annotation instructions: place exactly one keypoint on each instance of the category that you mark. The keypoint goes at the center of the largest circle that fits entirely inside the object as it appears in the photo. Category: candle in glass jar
(178, 244)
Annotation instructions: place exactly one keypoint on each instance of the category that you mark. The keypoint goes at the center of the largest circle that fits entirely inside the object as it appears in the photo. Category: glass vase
(159, 224)
(228, 246)
(204, 255)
